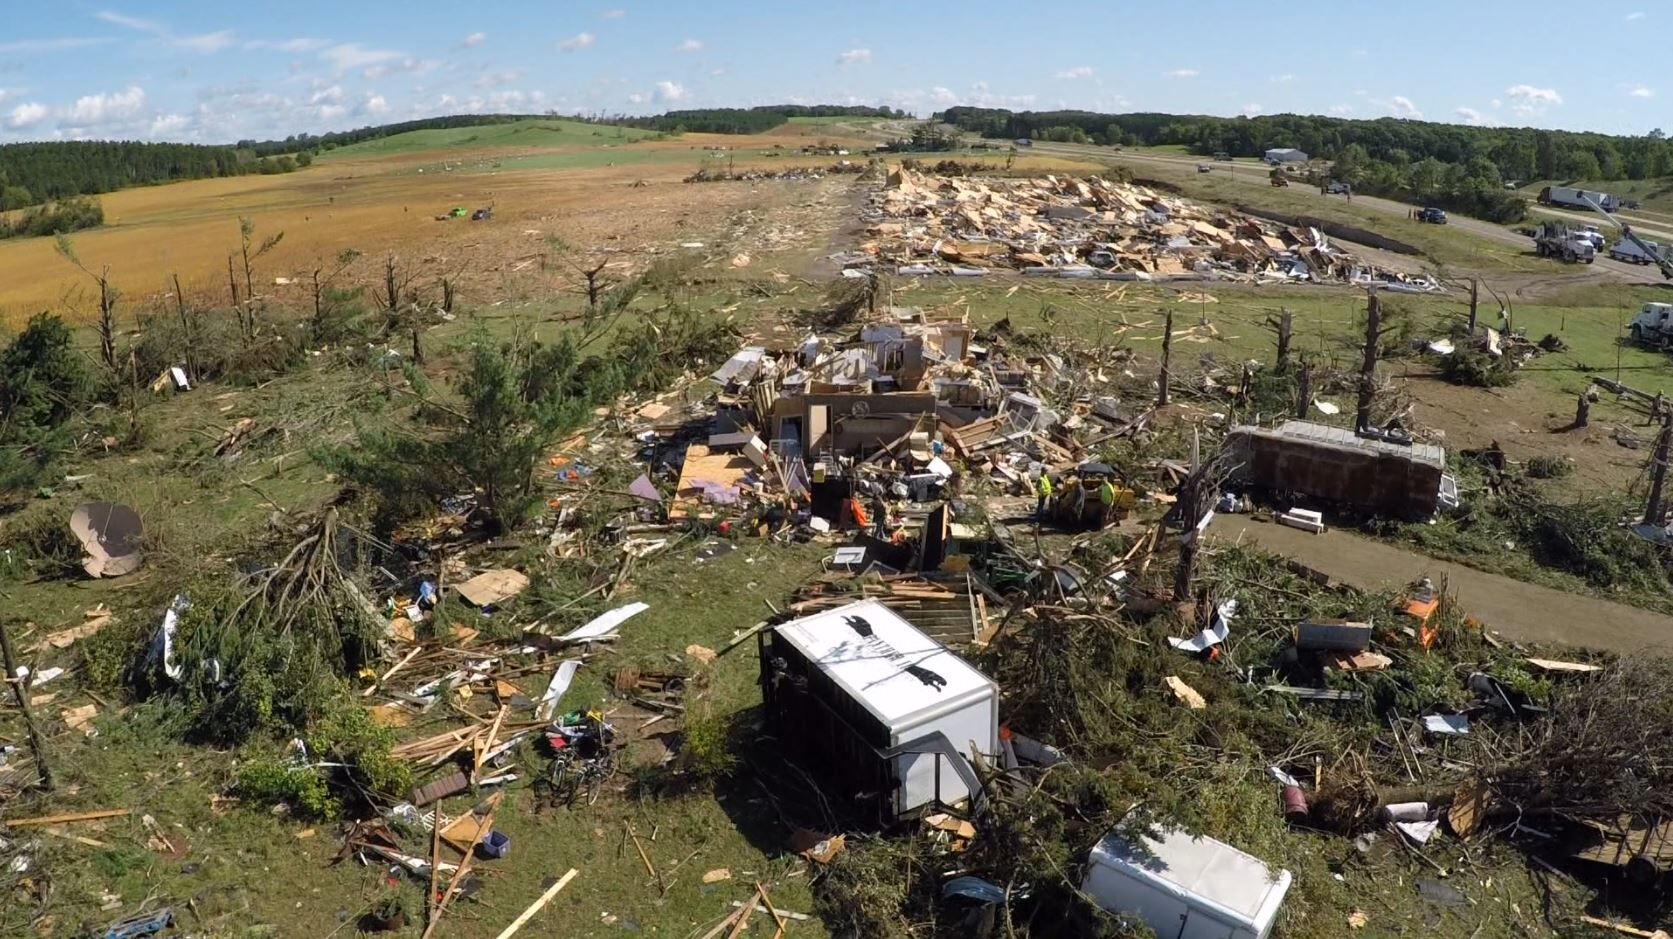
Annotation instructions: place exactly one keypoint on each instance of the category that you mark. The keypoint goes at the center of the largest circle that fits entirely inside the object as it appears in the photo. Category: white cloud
(1636, 16)
(1530, 93)
(30, 46)
(408, 64)
(474, 40)
(670, 91)
(943, 96)
(27, 115)
(1469, 116)
(168, 125)
(1182, 73)
(1251, 109)
(130, 22)
(1079, 71)
(612, 14)
(489, 80)
(1495, 103)
(374, 104)
(636, 98)
(1527, 100)
(1640, 91)
(293, 46)
(1341, 110)
(330, 112)
(1283, 79)
(205, 43)
(332, 94)
(352, 55)
(1402, 106)
(855, 57)
(690, 45)
(101, 109)
(577, 41)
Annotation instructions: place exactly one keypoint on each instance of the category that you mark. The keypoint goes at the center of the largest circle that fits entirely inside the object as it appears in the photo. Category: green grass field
(541, 133)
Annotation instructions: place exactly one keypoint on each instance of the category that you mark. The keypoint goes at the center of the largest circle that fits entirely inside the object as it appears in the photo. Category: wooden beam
(68, 817)
(538, 905)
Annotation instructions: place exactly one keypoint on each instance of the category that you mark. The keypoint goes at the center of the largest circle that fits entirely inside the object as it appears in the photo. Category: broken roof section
(1090, 228)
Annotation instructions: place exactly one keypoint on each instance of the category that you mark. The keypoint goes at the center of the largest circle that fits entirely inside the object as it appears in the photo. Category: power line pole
(22, 692)
(1658, 473)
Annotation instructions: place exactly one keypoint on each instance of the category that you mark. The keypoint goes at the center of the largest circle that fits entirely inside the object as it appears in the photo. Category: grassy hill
(532, 133)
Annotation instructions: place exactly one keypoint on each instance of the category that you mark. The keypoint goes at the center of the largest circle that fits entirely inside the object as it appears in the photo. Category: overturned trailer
(1402, 479)
(885, 713)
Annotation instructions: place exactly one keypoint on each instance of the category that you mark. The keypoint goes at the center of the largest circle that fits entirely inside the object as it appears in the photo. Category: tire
(1638, 335)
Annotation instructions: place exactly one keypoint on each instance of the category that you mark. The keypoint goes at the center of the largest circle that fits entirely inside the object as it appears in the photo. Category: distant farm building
(1285, 155)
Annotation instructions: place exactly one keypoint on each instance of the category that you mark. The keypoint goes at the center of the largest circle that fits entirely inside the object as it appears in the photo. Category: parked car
(1431, 215)
(1204, 168)
(1338, 189)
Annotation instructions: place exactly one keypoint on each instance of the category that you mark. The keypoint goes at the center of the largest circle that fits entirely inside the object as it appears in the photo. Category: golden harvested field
(585, 194)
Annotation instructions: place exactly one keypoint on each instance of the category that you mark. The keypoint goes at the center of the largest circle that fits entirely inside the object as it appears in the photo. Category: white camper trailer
(885, 709)
(1184, 887)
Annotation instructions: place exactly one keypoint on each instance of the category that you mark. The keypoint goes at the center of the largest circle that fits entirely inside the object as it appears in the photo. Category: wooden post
(185, 328)
(1658, 473)
(1303, 391)
(1473, 285)
(1368, 363)
(1167, 352)
(232, 282)
(1285, 326)
(22, 693)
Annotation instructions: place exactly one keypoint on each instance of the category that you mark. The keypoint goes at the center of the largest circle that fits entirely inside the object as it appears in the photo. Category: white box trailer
(1184, 887)
(886, 710)
(1578, 198)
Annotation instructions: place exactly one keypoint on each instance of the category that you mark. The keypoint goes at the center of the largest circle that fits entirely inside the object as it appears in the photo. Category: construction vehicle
(1646, 248)
(1278, 178)
(1631, 253)
(1560, 240)
(1653, 326)
(1075, 503)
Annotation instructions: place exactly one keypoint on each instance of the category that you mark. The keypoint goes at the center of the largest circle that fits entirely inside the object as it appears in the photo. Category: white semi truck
(1578, 198)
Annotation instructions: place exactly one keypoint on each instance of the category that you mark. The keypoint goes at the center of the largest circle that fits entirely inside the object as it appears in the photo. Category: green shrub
(1549, 467)
(1466, 366)
(707, 747)
(269, 781)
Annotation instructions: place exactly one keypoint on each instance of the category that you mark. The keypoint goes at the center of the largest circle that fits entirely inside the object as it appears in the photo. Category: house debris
(1090, 228)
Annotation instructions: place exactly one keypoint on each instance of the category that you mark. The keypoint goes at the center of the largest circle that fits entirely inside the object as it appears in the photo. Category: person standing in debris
(1042, 495)
(1106, 498)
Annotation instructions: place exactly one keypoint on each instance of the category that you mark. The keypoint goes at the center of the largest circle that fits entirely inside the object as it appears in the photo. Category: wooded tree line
(35, 173)
(1520, 153)
(748, 120)
(1459, 166)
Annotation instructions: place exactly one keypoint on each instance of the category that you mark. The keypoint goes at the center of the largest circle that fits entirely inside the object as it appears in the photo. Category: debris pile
(1091, 228)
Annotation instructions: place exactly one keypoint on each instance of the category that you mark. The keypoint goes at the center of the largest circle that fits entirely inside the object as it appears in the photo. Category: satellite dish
(110, 534)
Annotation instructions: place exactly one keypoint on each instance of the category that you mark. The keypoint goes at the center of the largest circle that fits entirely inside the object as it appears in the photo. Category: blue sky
(217, 72)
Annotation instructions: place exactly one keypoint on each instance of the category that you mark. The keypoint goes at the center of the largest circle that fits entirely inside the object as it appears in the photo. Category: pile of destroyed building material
(794, 174)
(1091, 228)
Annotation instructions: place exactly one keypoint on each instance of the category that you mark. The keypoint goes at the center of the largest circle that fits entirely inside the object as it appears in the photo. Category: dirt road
(1515, 609)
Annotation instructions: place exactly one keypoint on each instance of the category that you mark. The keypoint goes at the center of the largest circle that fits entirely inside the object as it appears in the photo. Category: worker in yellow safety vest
(1042, 495)
(1106, 497)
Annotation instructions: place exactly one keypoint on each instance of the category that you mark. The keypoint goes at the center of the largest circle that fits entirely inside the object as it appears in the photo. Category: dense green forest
(36, 173)
(1457, 166)
(748, 120)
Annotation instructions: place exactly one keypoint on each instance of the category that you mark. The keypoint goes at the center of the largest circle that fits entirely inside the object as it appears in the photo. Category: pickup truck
(1338, 189)
(1431, 215)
